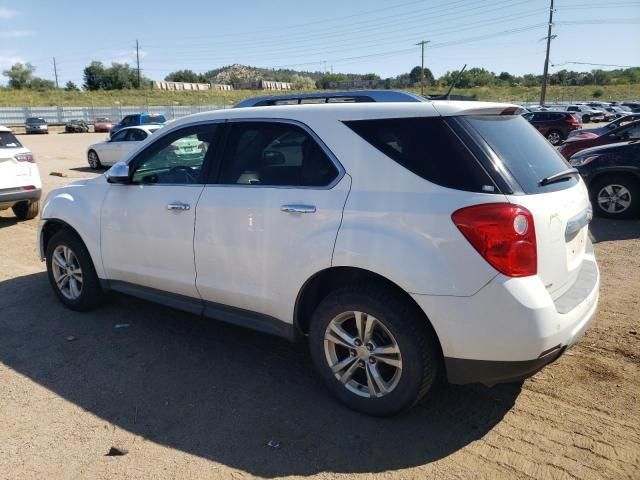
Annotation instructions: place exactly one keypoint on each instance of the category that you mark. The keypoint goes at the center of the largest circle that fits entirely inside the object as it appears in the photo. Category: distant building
(358, 84)
(263, 85)
(199, 87)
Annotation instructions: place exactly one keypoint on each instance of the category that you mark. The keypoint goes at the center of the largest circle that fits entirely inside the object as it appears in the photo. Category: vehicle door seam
(193, 247)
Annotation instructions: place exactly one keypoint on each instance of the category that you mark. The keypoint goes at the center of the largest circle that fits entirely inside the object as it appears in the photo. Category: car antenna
(455, 81)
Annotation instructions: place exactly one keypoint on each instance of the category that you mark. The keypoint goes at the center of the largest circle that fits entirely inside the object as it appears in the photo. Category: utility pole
(545, 75)
(55, 71)
(138, 60)
(422, 44)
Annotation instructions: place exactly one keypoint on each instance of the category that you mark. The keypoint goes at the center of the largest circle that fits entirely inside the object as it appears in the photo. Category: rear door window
(528, 156)
(429, 148)
(152, 119)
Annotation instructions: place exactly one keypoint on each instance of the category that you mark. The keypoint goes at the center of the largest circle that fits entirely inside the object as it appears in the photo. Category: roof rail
(346, 96)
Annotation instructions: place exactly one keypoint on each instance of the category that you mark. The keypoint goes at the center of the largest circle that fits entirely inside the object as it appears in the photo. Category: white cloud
(125, 56)
(16, 34)
(7, 60)
(6, 13)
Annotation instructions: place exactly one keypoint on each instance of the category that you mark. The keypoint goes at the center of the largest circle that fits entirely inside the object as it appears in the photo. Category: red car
(630, 131)
(102, 125)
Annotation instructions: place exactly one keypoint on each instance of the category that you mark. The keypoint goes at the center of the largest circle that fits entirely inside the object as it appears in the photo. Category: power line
(593, 64)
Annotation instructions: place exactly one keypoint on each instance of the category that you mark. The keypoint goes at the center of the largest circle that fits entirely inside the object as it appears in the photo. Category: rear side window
(427, 147)
(527, 155)
(152, 119)
(8, 140)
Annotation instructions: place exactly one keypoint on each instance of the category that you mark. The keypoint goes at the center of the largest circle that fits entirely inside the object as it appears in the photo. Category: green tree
(20, 75)
(71, 87)
(41, 84)
(188, 76)
(94, 76)
(416, 76)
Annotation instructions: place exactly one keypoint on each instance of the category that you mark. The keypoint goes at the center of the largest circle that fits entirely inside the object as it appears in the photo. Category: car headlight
(581, 160)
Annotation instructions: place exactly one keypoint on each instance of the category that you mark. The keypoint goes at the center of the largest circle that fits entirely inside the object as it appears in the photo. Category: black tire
(91, 293)
(554, 137)
(95, 165)
(419, 348)
(586, 118)
(628, 183)
(26, 210)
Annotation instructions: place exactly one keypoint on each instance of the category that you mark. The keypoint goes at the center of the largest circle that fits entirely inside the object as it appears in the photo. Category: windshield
(35, 120)
(8, 140)
(527, 155)
(153, 119)
(101, 120)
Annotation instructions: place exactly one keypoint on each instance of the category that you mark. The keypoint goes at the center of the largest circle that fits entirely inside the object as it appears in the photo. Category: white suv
(402, 239)
(20, 186)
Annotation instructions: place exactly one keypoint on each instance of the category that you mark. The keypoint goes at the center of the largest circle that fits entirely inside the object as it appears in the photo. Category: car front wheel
(71, 272)
(94, 160)
(374, 349)
(616, 196)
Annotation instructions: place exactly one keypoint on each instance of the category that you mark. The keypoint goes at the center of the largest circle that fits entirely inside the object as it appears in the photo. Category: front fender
(78, 205)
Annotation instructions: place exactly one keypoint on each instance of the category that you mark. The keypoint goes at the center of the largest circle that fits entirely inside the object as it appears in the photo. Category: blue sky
(350, 36)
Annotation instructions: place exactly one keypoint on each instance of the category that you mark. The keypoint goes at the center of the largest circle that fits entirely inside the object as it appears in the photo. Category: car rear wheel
(586, 118)
(616, 196)
(26, 210)
(375, 350)
(71, 272)
(94, 160)
(554, 137)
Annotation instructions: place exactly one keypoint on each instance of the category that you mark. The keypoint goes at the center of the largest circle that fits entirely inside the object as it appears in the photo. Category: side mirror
(119, 173)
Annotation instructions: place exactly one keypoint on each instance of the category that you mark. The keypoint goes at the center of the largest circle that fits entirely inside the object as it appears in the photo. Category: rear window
(527, 155)
(429, 148)
(153, 119)
(8, 140)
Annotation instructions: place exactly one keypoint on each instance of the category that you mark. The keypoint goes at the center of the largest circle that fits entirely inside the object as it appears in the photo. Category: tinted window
(136, 135)
(429, 148)
(35, 120)
(556, 116)
(176, 158)
(128, 120)
(120, 136)
(262, 153)
(8, 140)
(152, 119)
(526, 154)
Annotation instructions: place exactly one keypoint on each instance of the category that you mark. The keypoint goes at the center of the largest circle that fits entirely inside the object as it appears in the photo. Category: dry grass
(18, 98)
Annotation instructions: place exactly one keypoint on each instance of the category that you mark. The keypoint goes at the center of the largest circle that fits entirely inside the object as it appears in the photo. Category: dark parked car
(633, 106)
(76, 126)
(630, 131)
(612, 174)
(556, 126)
(36, 125)
(138, 119)
(609, 126)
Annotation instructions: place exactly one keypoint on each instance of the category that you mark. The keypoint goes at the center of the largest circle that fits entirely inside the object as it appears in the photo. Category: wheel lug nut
(357, 342)
(352, 352)
(369, 346)
(361, 363)
(372, 360)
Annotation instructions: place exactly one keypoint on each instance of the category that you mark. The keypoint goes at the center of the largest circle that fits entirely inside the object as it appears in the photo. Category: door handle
(298, 208)
(179, 207)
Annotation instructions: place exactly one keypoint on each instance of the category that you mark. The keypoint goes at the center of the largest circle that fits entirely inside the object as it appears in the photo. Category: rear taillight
(572, 120)
(24, 157)
(504, 234)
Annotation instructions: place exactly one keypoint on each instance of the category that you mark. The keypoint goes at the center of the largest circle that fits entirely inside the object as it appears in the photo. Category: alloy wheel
(554, 138)
(363, 354)
(93, 160)
(67, 272)
(614, 198)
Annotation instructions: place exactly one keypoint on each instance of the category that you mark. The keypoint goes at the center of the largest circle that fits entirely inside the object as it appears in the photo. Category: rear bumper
(512, 327)
(9, 198)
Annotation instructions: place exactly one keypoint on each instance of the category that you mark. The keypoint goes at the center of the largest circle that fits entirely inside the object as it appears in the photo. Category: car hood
(581, 136)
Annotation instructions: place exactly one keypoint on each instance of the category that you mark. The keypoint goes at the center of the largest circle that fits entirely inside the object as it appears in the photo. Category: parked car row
(100, 124)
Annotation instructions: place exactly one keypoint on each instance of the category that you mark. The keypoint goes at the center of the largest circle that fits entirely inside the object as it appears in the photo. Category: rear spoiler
(479, 109)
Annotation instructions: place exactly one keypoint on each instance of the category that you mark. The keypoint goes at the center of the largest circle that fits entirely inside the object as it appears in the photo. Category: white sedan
(113, 149)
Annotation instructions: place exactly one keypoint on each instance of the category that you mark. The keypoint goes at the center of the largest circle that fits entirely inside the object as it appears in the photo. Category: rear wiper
(559, 177)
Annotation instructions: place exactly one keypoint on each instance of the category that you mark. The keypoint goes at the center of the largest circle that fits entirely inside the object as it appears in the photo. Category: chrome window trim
(332, 158)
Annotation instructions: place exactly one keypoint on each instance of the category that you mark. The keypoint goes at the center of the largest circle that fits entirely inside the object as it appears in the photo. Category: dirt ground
(190, 398)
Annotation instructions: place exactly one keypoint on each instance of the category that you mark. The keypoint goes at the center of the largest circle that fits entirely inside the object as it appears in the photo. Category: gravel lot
(189, 398)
